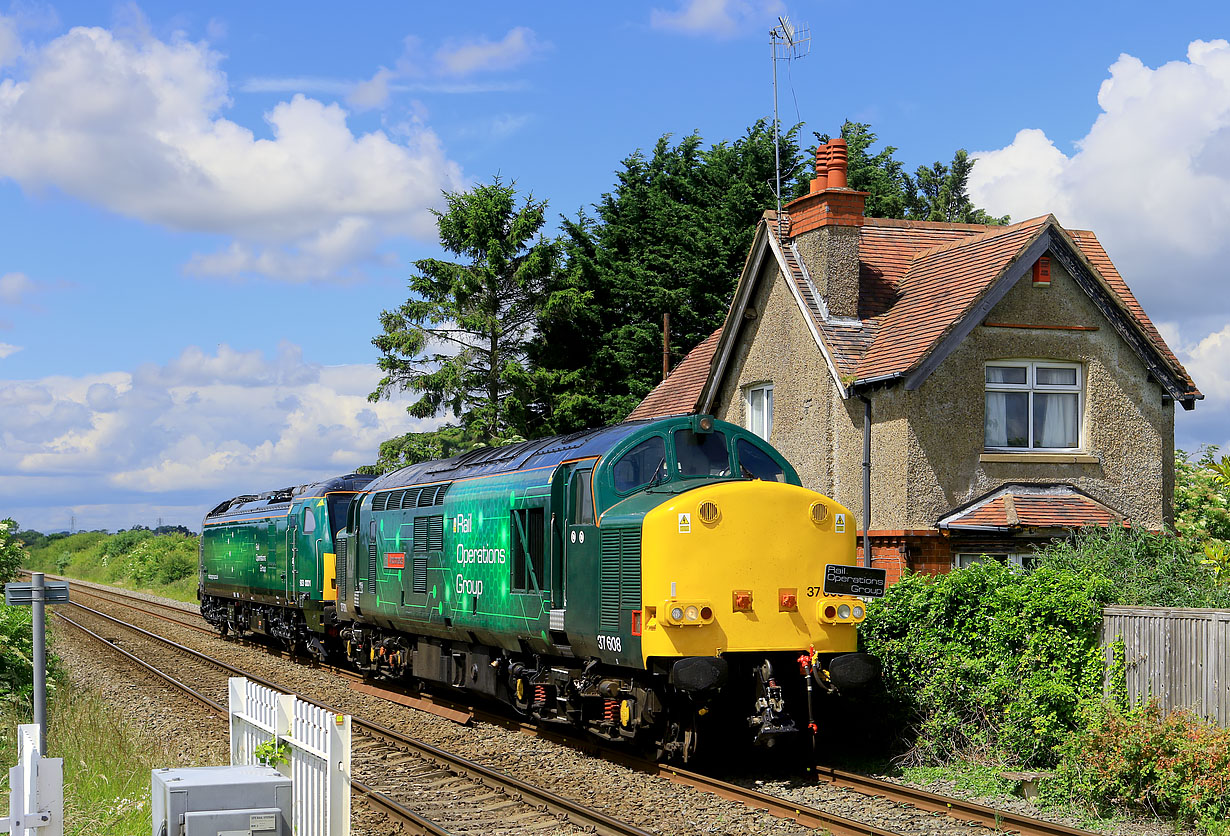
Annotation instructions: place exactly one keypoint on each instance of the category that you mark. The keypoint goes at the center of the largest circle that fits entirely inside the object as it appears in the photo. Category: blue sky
(205, 208)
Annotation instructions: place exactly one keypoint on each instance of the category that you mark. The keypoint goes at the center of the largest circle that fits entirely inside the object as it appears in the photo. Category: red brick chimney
(824, 229)
(831, 200)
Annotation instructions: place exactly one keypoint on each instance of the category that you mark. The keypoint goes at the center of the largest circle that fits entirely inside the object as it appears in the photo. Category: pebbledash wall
(928, 453)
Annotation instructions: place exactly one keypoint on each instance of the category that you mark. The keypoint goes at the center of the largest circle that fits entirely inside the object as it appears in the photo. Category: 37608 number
(611, 643)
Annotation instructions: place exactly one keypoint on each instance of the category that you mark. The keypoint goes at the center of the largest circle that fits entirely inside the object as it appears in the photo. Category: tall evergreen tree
(939, 193)
(460, 340)
(670, 238)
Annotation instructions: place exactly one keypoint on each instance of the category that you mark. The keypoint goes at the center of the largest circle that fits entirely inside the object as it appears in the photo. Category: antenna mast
(787, 42)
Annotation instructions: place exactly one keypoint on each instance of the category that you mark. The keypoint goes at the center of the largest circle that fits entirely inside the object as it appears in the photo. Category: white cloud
(1208, 361)
(186, 434)
(14, 287)
(372, 93)
(8, 350)
(1152, 178)
(723, 18)
(133, 124)
(482, 55)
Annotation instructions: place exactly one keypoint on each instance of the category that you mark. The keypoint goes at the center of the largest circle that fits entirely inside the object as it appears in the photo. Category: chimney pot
(821, 180)
(838, 160)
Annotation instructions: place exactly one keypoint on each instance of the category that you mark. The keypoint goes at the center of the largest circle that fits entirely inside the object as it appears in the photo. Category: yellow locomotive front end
(733, 587)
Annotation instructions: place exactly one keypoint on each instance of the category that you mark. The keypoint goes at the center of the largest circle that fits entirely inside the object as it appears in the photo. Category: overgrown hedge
(1170, 764)
(989, 662)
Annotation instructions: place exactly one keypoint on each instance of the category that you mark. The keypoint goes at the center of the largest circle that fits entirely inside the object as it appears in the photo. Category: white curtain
(1055, 420)
(997, 419)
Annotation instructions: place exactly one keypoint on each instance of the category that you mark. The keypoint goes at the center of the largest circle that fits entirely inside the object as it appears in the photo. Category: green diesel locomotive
(626, 580)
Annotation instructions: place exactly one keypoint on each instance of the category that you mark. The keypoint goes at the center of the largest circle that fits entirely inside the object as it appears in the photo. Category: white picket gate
(36, 790)
(319, 752)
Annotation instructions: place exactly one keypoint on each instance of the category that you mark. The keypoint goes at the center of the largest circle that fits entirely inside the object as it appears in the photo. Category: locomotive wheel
(520, 694)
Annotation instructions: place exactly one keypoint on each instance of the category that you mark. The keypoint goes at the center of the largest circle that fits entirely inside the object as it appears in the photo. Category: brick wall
(920, 551)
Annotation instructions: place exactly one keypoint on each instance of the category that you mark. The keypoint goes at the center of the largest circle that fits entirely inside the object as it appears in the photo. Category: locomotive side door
(292, 552)
(581, 550)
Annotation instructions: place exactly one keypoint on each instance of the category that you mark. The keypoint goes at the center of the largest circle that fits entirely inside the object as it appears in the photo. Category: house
(980, 389)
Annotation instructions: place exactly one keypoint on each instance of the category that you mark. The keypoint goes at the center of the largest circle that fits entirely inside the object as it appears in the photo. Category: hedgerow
(989, 662)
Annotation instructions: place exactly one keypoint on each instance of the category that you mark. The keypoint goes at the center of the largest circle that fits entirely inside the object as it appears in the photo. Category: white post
(36, 790)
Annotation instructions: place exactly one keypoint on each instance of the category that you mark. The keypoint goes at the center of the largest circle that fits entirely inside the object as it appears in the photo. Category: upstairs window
(1032, 405)
(758, 402)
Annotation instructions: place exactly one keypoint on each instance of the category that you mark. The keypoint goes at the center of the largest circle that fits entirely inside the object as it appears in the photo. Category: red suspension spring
(610, 710)
(540, 693)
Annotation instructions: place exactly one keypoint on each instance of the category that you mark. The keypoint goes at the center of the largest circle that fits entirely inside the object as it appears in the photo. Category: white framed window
(1033, 405)
(758, 406)
(1022, 560)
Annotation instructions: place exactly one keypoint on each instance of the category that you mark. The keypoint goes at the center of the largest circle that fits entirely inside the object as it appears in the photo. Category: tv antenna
(788, 42)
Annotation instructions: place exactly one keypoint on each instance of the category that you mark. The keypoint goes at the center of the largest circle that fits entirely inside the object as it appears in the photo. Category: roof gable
(923, 287)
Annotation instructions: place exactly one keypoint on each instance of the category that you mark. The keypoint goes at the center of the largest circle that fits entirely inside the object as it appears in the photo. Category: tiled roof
(1019, 506)
(1092, 248)
(938, 287)
(918, 281)
(680, 391)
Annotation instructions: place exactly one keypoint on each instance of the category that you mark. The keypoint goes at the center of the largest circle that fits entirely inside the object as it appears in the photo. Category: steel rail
(955, 807)
(390, 807)
(575, 813)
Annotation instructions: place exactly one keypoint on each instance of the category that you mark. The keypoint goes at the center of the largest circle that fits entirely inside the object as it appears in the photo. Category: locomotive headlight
(691, 613)
(843, 611)
(858, 611)
(677, 613)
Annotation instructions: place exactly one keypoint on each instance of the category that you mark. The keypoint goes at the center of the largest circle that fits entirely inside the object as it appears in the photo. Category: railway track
(434, 771)
(445, 794)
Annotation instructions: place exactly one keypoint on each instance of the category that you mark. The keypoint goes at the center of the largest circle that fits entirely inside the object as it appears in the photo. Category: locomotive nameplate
(854, 580)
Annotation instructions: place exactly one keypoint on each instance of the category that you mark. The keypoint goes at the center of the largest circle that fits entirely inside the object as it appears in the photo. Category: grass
(107, 762)
(978, 780)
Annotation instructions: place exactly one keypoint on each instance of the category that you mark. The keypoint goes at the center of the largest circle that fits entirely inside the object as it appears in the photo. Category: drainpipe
(866, 479)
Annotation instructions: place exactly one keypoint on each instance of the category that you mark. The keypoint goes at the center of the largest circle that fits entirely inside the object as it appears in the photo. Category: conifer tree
(460, 339)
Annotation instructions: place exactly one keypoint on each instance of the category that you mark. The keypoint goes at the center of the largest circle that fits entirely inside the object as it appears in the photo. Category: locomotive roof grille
(412, 497)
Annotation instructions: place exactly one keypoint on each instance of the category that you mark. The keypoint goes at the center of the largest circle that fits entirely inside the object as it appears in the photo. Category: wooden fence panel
(1180, 656)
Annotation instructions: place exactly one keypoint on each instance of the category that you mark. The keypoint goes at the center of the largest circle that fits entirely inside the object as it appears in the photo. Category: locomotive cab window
(755, 463)
(582, 500)
(643, 464)
(701, 454)
(309, 521)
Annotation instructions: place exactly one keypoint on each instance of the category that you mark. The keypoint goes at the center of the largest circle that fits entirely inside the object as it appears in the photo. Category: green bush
(989, 662)
(1202, 496)
(1145, 569)
(1145, 760)
(161, 560)
(16, 664)
(11, 552)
